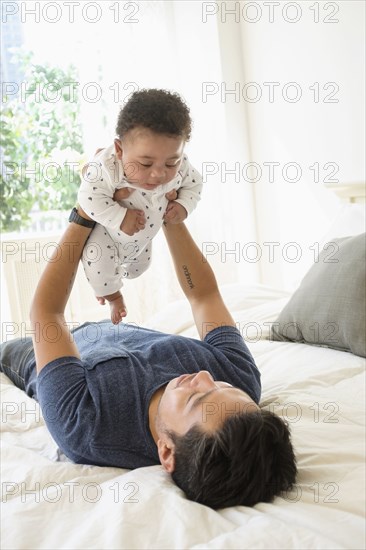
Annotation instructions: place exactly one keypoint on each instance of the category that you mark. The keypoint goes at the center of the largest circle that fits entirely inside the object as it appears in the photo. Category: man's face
(149, 159)
(199, 399)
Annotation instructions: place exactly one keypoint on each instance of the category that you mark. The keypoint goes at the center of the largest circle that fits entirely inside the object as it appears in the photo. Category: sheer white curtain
(166, 44)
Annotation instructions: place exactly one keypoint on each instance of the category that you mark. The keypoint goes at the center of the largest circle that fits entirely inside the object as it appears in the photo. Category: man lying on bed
(127, 396)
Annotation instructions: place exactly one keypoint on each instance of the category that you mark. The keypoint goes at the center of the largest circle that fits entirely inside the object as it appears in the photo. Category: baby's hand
(172, 195)
(121, 194)
(133, 222)
(175, 213)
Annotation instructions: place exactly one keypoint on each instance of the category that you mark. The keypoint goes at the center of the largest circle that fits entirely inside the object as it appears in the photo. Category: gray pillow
(328, 309)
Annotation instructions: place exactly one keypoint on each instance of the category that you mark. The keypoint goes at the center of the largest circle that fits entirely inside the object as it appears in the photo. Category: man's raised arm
(197, 280)
(51, 335)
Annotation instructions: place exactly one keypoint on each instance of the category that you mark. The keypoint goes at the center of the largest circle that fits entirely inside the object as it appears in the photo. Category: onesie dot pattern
(112, 255)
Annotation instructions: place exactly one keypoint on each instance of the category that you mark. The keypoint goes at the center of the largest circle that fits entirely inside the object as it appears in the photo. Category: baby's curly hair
(160, 111)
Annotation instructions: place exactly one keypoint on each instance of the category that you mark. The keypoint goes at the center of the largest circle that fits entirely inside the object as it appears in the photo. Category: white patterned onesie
(110, 254)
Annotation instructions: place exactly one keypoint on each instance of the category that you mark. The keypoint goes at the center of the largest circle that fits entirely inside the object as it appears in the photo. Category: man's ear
(166, 454)
(118, 148)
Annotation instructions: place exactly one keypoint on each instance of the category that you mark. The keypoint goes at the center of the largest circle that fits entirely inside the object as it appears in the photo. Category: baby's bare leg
(116, 304)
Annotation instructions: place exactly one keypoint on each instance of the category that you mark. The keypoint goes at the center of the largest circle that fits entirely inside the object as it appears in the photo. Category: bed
(49, 502)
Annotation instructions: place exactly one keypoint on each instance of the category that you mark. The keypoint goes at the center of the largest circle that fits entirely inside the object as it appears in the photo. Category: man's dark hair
(160, 111)
(250, 459)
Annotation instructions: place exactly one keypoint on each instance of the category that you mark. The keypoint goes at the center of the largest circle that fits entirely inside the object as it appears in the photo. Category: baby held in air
(132, 187)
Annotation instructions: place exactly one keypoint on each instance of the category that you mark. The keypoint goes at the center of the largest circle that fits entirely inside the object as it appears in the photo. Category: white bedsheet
(49, 502)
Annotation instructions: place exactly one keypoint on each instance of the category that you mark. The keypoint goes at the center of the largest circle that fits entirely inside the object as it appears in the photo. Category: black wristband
(76, 218)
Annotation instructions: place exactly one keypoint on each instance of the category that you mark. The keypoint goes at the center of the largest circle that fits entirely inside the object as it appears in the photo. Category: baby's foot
(118, 310)
(117, 305)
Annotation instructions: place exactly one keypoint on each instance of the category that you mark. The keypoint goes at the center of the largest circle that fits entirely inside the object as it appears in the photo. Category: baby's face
(149, 159)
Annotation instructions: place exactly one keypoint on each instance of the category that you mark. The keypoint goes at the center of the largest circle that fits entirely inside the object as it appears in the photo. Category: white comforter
(49, 502)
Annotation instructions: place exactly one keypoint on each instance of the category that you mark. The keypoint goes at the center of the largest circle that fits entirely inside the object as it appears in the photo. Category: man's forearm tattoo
(71, 282)
(188, 276)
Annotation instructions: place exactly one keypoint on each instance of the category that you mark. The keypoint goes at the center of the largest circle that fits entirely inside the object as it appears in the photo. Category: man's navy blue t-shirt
(96, 407)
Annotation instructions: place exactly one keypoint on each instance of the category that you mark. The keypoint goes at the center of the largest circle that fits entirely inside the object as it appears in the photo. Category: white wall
(305, 132)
